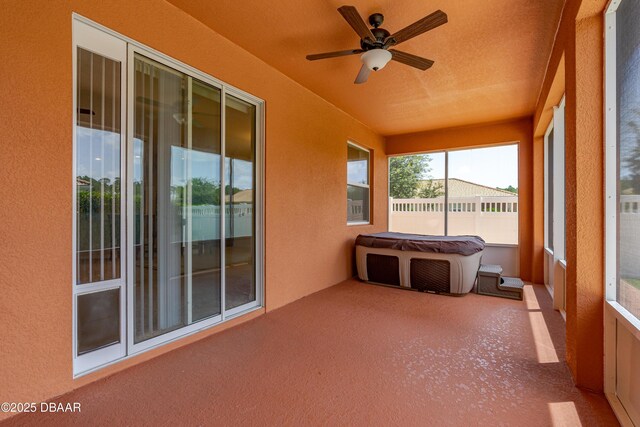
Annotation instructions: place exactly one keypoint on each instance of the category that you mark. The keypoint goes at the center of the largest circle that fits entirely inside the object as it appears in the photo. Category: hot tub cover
(464, 245)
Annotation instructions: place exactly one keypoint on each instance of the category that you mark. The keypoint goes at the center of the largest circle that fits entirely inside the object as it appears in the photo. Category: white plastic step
(511, 284)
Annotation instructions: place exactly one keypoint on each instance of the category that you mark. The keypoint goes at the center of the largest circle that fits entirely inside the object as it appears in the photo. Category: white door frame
(88, 38)
(101, 40)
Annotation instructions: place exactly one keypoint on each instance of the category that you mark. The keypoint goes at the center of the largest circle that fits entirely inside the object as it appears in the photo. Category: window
(554, 213)
(549, 199)
(358, 191)
(622, 139)
(554, 208)
(628, 141)
(486, 176)
(416, 191)
(184, 166)
(471, 191)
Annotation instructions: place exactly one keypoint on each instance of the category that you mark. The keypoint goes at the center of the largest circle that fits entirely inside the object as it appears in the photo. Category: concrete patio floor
(358, 354)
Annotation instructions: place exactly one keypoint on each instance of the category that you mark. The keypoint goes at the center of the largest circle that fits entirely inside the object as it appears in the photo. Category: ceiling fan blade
(363, 75)
(351, 15)
(333, 54)
(425, 24)
(411, 60)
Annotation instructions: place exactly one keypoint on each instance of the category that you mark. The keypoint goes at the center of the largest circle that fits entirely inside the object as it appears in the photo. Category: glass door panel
(98, 272)
(240, 190)
(97, 169)
(176, 174)
(205, 200)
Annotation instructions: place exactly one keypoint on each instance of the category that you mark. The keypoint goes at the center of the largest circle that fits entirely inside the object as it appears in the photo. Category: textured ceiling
(490, 58)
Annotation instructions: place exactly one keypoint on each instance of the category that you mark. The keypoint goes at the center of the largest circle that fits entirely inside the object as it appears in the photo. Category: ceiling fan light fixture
(376, 59)
(375, 43)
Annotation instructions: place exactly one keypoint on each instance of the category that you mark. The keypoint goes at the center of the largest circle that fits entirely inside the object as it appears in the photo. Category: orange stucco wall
(308, 245)
(576, 66)
(585, 203)
(519, 131)
(552, 91)
(537, 251)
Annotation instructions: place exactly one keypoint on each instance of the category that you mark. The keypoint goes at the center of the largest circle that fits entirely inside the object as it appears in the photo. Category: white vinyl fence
(494, 218)
(206, 221)
(355, 210)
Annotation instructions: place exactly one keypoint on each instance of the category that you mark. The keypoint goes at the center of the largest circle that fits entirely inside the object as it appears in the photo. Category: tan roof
(244, 196)
(462, 188)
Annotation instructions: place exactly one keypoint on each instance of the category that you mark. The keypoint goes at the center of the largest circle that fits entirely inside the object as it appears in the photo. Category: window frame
(616, 316)
(548, 183)
(555, 207)
(446, 204)
(101, 40)
(357, 146)
(559, 204)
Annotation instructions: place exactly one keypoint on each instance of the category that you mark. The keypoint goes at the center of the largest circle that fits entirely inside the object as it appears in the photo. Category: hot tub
(437, 264)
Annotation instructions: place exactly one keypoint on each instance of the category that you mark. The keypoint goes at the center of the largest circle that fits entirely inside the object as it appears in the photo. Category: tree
(406, 174)
(430, 189)
(203, 192)
(94, 195)
(510, 189)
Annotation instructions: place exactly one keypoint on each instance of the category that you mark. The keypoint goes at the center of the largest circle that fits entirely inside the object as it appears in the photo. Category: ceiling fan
(375, 43)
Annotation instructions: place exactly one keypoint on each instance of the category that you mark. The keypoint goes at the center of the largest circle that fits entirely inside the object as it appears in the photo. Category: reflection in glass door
(167, 167)
(240, 191)
(176, 193)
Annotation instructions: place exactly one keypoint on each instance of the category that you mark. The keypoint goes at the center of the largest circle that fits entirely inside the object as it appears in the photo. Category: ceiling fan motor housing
(380, 34)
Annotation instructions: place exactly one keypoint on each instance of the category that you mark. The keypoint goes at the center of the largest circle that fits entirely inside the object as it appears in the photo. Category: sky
(491, 166)
(357, 172)
(207, 165)
(98, 156)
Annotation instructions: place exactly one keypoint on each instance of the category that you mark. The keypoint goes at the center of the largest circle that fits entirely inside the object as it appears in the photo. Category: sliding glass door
(167, 200)
(240, 132)
(193, 202)
(176, 191)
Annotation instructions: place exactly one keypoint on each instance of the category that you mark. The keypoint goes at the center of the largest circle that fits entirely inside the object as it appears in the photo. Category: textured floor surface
(358, 354)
